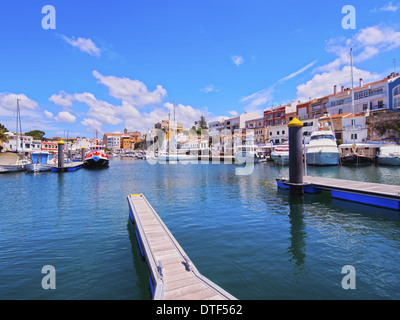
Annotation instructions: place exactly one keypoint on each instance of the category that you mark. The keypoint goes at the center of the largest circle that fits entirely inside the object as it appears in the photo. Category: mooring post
(69, 155)
(83, 151)
(61, 146)
(295, 157)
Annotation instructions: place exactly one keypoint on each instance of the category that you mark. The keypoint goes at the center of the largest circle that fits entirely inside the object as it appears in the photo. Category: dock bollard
(83, 151)
(61, 146)
(295, 157)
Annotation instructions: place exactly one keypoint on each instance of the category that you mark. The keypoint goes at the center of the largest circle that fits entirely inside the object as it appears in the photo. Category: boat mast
(16, 137)
(352, 95)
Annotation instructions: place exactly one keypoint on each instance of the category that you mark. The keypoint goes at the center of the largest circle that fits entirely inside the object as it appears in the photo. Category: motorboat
(389, 155)
(41, 161)
(322, 149)
(12, 162)
(280, 154)
(97, 158)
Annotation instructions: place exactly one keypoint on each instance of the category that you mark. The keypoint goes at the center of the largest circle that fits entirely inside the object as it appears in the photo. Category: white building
(239, 122)
(359, 132)
(278, 134)
(112, 141)
(25, 143)
(367, 97)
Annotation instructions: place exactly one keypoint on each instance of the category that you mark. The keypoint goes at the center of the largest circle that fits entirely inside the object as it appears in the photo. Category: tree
(203, 123)
(200, 125)
(3, 130)
(36, 134)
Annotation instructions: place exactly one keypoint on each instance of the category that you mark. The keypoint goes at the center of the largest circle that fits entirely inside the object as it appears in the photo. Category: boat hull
(389, 161)
(38, 167)
(355, 160)
(323, 158)
(11, 168)
(281, 159)
(95, 163)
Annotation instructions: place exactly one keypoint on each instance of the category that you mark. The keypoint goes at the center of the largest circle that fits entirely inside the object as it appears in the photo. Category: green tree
(36, 134)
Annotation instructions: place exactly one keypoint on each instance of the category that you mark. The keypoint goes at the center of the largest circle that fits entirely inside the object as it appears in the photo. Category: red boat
(97, 158)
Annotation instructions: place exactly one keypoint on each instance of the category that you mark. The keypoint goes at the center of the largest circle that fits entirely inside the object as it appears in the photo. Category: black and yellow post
(61, 147)
(295, 157)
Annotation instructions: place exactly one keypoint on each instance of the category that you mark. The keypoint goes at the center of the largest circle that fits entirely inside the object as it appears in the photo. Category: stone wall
(383, 125)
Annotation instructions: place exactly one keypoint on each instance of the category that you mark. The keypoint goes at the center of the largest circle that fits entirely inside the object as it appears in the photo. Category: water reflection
(298, 234)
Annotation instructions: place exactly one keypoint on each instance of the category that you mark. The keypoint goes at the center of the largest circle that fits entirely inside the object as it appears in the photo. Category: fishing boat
(322, 149)
(12, 162)
(355, 157)
(97, 158)
(389, 155)
(280, 154)
(41, 161)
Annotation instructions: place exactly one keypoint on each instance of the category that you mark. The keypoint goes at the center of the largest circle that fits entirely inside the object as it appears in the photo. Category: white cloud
(258, 99)
(237, 60)
(294, 74)
(366, 43)
(61, 99)
(9, 101)
(209, 88)
(132, 91)
(261, 98)
(322, 84)
(65, 116)
(390, 7)
(233, 113)
(92, 125)
(98, 109)
(48, 114)
(84, 45)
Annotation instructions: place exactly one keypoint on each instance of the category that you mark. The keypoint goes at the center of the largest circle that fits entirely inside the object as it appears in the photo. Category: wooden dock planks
(173, 274)
(383, 190)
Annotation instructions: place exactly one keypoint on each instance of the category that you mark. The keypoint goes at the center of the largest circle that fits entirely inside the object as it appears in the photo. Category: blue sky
(122, 64)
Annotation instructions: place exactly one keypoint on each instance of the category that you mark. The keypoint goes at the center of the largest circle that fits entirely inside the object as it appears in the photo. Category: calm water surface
(243, 233)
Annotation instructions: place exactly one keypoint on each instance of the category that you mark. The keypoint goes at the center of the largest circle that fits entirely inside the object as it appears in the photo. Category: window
(283, 131)
(396, 97)
(354, 136)
(340, 111)
(365, 106)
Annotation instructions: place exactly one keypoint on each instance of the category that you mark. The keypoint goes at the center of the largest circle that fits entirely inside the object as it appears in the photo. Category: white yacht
(389, 155)
(322, 149)
(12, 162)
(280, 154)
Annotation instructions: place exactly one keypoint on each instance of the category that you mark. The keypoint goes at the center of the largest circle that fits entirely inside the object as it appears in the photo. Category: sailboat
(14, 161)
(354, 157)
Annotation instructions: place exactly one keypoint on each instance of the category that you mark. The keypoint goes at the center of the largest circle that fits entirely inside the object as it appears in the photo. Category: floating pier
(375, 194)
(173, 276)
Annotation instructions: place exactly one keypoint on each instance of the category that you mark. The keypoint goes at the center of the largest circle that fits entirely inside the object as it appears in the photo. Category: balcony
(378, 107)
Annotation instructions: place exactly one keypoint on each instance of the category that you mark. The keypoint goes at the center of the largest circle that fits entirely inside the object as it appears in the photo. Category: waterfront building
(394, 93)
(278, 134)
(290, 111)
(335, 122)
(215, 127)
(49, 145)
(372, 97)
(112, 141)
(317, 107)
(358, 134)
(25, 143)
(79, 143)
(239, 122)
(274, 116)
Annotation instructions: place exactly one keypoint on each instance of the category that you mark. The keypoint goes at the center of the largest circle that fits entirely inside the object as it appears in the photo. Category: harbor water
(252, 239)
